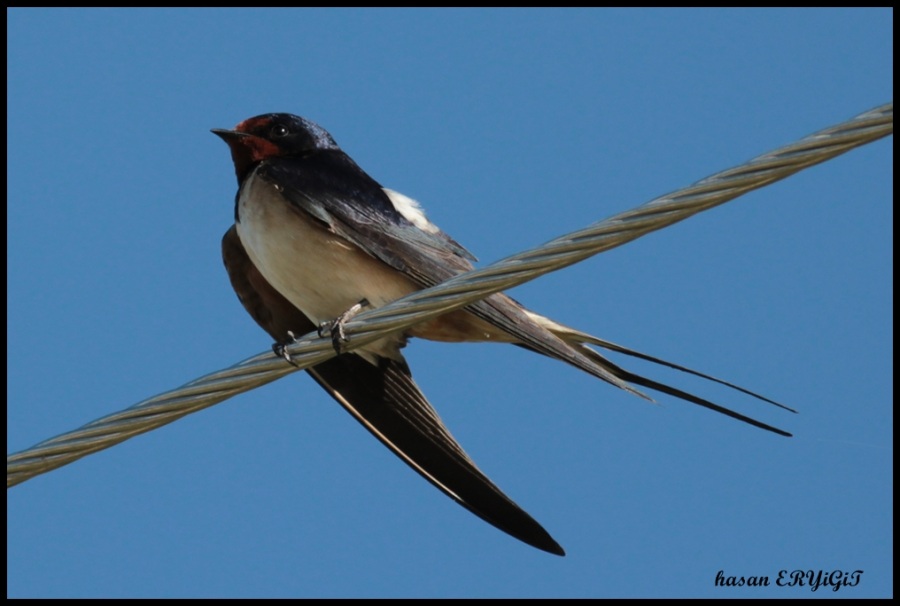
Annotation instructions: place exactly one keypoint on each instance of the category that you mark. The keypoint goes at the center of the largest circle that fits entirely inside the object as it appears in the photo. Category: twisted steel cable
(453, 294)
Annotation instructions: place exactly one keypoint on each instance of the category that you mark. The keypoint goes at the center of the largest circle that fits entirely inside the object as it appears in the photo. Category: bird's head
(270, 135)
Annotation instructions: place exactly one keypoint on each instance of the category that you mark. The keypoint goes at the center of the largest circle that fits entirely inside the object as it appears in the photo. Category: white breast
(319, 272)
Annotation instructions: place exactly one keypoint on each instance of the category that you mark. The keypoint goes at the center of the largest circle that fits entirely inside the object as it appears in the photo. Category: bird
(316, 239)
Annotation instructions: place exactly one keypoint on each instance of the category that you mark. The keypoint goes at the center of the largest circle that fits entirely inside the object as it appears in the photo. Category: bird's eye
(279, 131)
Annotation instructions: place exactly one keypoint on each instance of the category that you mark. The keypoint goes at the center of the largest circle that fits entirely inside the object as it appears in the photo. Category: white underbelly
(322, 274)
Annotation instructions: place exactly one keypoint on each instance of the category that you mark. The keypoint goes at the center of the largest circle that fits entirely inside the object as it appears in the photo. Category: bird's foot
(335, 327)
(280, 349)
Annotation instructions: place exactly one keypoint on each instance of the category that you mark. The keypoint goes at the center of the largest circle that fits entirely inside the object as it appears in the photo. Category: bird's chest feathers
(316, 270)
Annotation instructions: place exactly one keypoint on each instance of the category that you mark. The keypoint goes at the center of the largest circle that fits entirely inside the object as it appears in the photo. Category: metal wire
(452, 294)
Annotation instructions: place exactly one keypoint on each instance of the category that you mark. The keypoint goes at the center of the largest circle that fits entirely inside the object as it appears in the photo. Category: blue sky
(511, 127)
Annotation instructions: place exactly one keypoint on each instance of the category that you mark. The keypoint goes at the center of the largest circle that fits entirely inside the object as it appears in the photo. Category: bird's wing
(330, 188)
(387, 402)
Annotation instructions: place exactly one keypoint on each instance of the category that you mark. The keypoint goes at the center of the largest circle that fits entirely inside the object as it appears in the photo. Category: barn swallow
(316, 238)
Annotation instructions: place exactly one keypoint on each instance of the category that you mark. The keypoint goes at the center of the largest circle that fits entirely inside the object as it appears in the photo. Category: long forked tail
(580, 340)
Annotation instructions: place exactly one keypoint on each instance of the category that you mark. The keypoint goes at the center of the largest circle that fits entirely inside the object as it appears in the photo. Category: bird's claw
(281, 351)
(335, 327)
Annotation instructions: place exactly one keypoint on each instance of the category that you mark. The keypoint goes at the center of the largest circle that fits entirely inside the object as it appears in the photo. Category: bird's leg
(336, 327)
(280, 348)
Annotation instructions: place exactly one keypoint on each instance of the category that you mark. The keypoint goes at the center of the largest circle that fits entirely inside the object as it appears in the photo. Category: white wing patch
(411, 211)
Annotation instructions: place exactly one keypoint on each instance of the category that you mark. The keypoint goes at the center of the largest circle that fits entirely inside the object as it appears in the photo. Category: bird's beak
(242, 150)
(229, 136)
